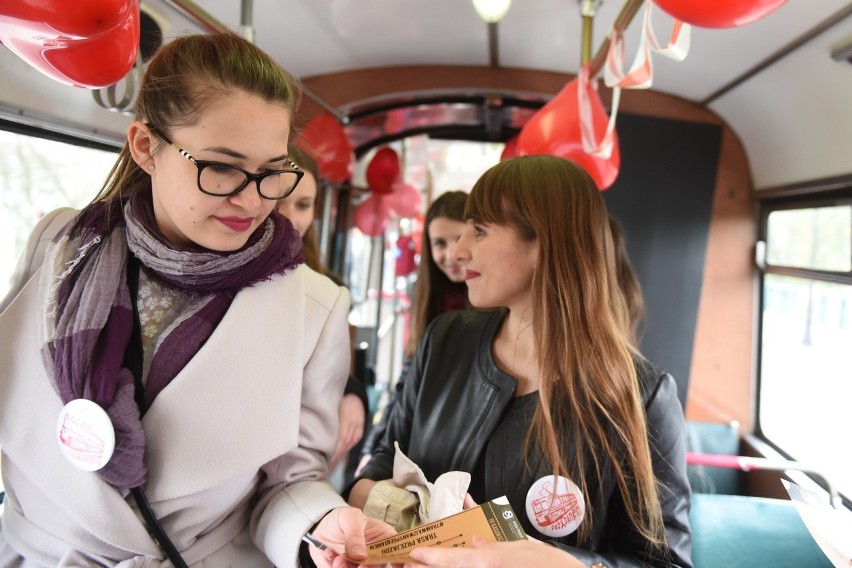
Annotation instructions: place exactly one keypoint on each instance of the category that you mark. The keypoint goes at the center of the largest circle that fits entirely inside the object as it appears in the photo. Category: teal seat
(713, 438)
(753, 532)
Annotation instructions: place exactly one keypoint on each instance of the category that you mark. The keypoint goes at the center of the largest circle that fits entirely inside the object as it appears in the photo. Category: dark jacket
(455, 397)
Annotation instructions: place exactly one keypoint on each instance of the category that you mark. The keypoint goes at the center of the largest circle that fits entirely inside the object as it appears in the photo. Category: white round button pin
(85, 434)
(555, 511)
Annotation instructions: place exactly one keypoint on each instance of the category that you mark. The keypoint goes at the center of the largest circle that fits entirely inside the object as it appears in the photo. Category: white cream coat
(236, 444)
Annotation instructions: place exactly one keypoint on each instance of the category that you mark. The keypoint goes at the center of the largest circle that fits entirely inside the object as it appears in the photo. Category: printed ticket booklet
(493, 521)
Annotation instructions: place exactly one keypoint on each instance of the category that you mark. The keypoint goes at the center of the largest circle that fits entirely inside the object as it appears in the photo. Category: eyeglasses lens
(220, 179)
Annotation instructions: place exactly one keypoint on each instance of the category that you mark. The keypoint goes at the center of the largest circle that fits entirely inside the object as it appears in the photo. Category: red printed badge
(85, 434)
(555, 511)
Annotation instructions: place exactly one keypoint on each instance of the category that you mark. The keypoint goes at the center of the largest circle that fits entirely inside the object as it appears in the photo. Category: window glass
(37, 176)
(806, 378)
(817, 238)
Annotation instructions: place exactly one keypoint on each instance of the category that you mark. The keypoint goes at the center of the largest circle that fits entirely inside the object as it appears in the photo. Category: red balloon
(510, 149)
(326, 141)
(93, 44)
(404, 201)
(719, 13)
(383, 170)
(372, 215)
(555, 130)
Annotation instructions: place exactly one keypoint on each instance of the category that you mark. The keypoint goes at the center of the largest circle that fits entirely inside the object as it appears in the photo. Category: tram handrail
(747, 463)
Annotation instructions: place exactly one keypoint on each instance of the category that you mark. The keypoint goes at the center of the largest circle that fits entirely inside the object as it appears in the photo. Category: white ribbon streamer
(640, 76)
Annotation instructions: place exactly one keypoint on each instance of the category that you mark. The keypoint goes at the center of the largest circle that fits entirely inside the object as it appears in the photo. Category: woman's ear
(140, 141)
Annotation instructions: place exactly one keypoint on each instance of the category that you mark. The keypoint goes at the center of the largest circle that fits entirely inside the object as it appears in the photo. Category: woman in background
(440, 283)
(628, 281)
(439, 288)
(300, 208)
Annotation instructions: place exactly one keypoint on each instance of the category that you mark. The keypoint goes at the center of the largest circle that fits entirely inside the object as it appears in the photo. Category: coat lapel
(235, 406)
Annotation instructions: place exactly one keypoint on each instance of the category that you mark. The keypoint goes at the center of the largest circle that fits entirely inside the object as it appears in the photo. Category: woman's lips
(238, 224)
(470, 274)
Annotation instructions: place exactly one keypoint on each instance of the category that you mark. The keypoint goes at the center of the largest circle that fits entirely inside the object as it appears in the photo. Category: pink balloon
(395, 120)
(404, 200)
(555, 130)
(719, 13)
(371, 216)
(92, 44)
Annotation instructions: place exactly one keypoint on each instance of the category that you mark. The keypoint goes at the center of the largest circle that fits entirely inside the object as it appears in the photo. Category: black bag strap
(133, 361)
(156, 530)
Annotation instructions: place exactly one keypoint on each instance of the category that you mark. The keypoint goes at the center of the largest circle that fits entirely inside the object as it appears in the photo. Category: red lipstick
(238, 224)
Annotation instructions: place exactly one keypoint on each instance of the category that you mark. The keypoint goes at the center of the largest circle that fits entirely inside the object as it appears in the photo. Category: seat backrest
(735, 530)
(713, 438)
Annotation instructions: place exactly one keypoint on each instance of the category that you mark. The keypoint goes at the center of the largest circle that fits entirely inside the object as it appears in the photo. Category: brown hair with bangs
(589, 387)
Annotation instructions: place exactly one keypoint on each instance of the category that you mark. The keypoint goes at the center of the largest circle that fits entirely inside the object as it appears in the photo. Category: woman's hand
(360, 492)
(352, 420)
(346, 531)
(468, 502)
(483, 554)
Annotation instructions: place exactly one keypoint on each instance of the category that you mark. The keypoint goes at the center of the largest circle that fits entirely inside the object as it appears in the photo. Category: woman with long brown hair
(440, 276)
(541, 396)
(439, 288)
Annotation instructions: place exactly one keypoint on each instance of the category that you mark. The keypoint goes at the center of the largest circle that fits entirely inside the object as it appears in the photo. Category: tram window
(806, 331)
(37, 176)
(816, 237)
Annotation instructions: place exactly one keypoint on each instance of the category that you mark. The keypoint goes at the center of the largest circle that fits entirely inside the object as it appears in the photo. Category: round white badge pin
(85, 434)
(555, 509)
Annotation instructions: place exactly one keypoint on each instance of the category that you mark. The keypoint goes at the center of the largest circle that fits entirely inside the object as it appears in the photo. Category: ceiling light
(492, 11)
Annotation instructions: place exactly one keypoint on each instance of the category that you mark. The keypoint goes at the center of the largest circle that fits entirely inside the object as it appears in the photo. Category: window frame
(818, 193)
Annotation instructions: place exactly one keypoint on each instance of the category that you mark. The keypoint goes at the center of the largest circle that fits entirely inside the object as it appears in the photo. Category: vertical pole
(493, 45)
(247, 19)
(625, 16)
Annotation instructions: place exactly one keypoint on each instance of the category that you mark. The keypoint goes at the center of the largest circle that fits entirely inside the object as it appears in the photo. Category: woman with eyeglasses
(439, 288)
(541, 394)
(170, 374)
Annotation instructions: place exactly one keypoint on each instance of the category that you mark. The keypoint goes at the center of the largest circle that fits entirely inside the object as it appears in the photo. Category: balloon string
(640, 76)
(641, 71)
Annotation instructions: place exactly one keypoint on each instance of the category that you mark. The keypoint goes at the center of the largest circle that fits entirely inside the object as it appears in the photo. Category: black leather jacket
(455, 397)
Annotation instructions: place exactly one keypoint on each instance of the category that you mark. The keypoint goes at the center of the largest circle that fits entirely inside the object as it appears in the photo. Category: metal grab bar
(746, 463)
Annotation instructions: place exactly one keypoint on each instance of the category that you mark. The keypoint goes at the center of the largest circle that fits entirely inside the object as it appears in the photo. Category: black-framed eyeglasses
(225, 180)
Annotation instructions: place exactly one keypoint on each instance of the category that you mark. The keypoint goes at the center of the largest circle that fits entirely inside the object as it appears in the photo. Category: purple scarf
(90, 316)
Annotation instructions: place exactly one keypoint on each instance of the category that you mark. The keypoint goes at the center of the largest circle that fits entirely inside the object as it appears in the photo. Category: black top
(506, 467)
(457, 413)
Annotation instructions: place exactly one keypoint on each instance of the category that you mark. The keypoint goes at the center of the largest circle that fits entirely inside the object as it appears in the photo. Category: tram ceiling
(731, 71)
